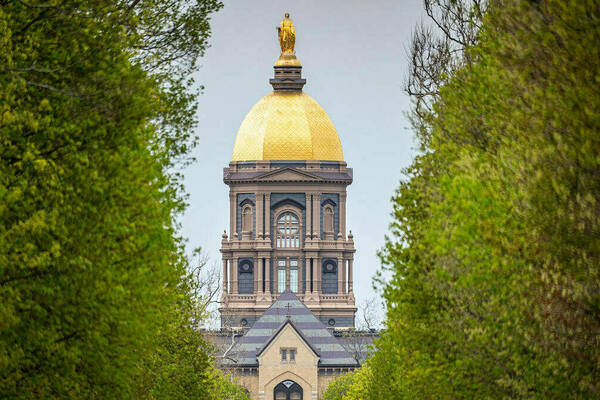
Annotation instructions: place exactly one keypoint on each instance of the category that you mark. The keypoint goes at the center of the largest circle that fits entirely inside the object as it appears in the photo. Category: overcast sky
(355, 62)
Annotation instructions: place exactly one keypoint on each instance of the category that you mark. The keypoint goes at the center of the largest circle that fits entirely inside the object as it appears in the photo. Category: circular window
(246, 267)
(331, 322)
(244, 322)
(329, 267)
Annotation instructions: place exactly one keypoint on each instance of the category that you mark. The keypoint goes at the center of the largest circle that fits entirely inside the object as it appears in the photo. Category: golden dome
(287, 125)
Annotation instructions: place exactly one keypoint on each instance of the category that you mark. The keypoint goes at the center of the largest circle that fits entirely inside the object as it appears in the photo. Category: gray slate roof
(312, 330)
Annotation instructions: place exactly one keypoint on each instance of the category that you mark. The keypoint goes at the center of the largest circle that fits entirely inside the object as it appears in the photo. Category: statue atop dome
(287, 35)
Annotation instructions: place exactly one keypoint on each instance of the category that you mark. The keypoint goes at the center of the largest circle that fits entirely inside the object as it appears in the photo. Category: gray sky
(354, 59)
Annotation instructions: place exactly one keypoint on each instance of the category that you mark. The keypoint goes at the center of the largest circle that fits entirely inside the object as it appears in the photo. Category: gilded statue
(287, 35)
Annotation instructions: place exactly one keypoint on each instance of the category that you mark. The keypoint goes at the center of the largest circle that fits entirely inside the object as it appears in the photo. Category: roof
(275, 318)
(287, 126)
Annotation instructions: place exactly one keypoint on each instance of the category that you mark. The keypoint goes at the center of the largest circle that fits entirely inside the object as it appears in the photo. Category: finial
(224, 236)
(350, 235)
(288, 69)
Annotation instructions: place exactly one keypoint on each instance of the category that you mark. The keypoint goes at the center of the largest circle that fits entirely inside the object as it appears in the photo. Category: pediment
(288, 174)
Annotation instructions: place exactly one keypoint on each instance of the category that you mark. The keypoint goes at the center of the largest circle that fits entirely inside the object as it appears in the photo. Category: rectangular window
(292, 355)
(281, 280)
(294, 280)
(283, 355)
(293, 263)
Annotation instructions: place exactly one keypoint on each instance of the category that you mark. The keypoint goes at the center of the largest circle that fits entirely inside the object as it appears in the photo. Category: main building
(288, 261)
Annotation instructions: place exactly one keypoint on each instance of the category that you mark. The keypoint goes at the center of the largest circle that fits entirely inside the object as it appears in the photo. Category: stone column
(268, 216)
(224, 275)
(314, 274)
(232, 216)
(233, 275)
(259, 276)
(318, 271)
(342, 221)
(350, 275)
(256, 262)
(259, 215)
(307, 275)
(316, 215)
(267, 275)
(340, 275)
(345, 277)
(308, 222)
(275, 276)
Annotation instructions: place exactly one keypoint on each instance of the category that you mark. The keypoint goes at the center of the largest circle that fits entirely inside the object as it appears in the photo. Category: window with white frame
(281, 276)
(294, 276)
(288, 230)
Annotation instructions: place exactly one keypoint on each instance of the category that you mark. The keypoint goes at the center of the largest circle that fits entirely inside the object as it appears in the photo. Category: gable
(287, 338)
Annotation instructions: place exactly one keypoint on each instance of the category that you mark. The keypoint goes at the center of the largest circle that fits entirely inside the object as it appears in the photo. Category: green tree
(180, 367)
(96, 115)
(494, 245)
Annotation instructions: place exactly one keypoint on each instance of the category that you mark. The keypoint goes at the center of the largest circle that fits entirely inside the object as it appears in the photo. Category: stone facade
(264, 191)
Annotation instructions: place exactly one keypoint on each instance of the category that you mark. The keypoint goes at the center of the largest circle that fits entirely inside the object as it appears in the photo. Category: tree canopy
(96, 115)
(493, 250)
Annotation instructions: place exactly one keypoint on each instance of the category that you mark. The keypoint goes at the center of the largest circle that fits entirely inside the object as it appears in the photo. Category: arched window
(328, 219)
(288, 390)
(247, 219)
(288, 230)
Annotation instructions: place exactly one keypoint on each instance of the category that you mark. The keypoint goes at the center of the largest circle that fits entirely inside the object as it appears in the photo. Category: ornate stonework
(319, 254)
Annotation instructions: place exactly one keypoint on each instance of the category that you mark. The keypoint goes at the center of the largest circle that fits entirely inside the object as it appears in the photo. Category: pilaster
(308, 222)
(350, 262)
(259, 215)
(316, 228)
(268, 216)
(318, 271)
(340, 275)
(307, 276)
(342, 227)
(233, 275)
(224, 276)
(256, 274)
(268, 276)
(344, 264)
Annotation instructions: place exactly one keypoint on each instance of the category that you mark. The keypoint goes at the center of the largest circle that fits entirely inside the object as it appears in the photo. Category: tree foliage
(495, 289)
(96, 113)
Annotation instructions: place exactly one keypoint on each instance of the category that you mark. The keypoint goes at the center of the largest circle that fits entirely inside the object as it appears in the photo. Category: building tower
(287, 192)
